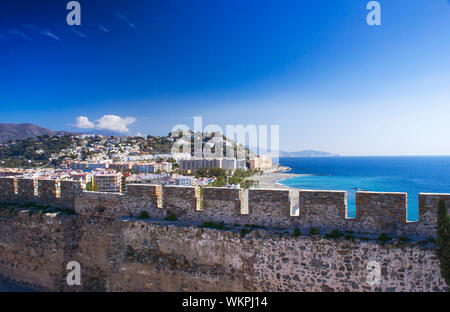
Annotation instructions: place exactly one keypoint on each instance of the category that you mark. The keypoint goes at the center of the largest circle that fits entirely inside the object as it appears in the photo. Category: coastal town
(224, 155)
(107, 164)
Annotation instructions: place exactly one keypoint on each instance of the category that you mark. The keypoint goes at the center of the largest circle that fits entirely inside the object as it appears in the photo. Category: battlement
(44, 192)
(376, 212)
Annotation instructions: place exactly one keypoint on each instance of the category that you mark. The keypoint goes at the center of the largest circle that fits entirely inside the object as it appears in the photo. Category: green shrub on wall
(171, 217)
(143, 215)
(443, 241)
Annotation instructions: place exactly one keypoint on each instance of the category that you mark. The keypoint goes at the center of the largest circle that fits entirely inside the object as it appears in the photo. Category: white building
(107, 181)
(224, 163)
(185, 181)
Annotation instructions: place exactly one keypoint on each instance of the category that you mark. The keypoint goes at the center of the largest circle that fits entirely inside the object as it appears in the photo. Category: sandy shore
(269, 179)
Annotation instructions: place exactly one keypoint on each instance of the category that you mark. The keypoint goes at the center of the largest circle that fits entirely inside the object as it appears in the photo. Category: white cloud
(125, 19)
(115, 123)
(50, 34)
(84, 123)
(78, 32)
(107, 122)
(102, 28)
(19, 33)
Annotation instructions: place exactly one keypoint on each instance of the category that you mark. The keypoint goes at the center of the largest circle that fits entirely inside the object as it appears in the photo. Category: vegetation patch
(171, 217)
(224, 178)
(313, 231)
(253, 226)
(34, 152)
(91, 187)
(384, 238)
(201, 197)
(41, 214)
(4, 205)
(28, 205)
(349, 237)
(297, 232)
(143, 215)
(334, 234)
(404, 239)
(245, 232)
(443, 241)
(212, 225)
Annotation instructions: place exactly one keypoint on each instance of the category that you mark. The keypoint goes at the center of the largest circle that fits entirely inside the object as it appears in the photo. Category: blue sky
(315, 68)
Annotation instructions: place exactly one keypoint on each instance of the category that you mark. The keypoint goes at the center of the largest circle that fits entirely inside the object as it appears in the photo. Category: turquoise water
(413, 175)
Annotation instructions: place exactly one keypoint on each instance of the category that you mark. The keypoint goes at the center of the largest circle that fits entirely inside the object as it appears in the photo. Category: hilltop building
(261, 162)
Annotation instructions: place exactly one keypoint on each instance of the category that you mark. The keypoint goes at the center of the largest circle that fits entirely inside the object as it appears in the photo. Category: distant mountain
(23, 131)
(16, 132)
(307, 153)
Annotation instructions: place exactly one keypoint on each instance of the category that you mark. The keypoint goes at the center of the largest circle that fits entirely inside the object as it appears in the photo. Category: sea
(410, 174)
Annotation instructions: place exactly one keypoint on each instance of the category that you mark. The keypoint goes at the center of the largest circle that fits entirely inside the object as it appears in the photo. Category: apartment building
(183, 180)
(143, 167)
(85, 177)
(107, 181)
(261, 162)
(92, 165)
(233, 164)
(196, 164)
(7, 172)
(97, 165)
(164, 166)
(78, 165)
(120, 167)
(224, 163)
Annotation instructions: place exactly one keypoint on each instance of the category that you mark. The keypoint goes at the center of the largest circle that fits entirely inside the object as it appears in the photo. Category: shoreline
(271, 179)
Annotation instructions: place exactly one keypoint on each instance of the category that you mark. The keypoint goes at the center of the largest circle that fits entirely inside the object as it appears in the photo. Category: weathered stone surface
(69, 190)
(147, 256)
(47, 191)
(269, 208)
(26, 189)
(380, 212)
(183, 201)
(101, 204)
(323, 210)
(8, 189)
(144, 197)
(428, 203)
(326, 210)
(223, 205)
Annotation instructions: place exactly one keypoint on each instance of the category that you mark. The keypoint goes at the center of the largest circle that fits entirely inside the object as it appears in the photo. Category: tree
(171, 160)
(443, 241)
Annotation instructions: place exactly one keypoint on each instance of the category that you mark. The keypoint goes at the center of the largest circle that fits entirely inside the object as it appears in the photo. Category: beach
(270, 178)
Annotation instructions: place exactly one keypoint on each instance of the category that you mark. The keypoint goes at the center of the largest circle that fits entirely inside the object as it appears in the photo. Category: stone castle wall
(223, 204)
(270, 208)
(320, 209)
(133, 255)
(376, 212)
(381, 212)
